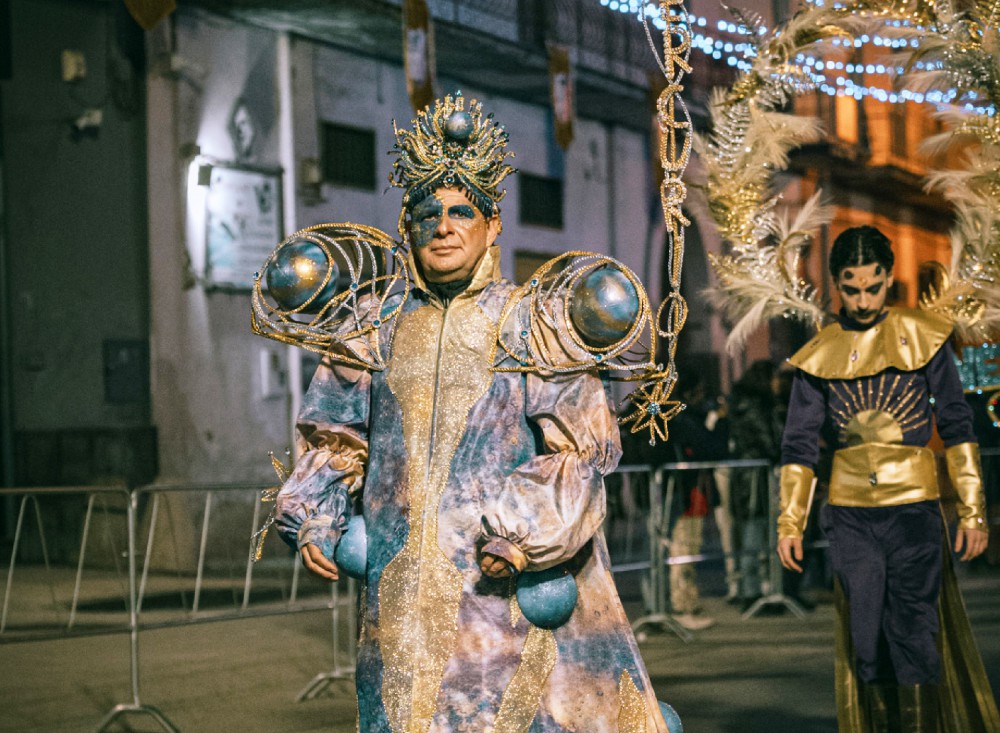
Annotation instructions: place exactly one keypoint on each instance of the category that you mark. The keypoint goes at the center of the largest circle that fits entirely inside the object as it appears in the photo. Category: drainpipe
(609, 158)
(286, 155)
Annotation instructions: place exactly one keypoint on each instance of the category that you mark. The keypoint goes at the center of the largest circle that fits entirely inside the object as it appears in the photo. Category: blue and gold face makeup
(426, 218)
(450, 235)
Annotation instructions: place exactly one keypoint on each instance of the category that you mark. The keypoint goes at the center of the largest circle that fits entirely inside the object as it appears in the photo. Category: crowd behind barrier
(109, 559)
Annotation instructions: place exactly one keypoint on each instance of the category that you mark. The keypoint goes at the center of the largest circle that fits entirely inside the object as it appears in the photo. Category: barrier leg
(79, 565)
(13, 556)
(657, 602)
(775, 595)
(323, 680)
(203, 548)
(135, 707)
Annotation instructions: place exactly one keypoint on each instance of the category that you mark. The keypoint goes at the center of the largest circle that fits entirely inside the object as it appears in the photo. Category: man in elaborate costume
(873, 381)
(467, 477)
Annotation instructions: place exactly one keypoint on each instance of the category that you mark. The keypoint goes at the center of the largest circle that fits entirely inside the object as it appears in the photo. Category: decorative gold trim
(906, 340)
(421, 589)
(880, 474)
(632, 713)
(520, 700)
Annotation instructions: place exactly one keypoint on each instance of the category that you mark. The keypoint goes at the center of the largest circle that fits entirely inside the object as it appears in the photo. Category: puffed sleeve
(554, 503)
(314, 504)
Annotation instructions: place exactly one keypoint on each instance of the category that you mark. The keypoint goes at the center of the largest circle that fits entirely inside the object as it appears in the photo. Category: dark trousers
(888, 560)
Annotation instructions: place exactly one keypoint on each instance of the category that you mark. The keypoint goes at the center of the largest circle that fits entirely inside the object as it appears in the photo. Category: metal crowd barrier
(192, 576)
(144, 561)
(663, 486)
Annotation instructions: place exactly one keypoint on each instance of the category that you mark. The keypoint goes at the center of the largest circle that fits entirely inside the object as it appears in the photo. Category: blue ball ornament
(458, 126)
(547, 598)
(351, 554)
(297, 271)
(603, 307)
(672, 719)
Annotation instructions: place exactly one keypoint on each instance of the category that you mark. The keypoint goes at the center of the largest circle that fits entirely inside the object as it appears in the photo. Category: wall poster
(242, 223)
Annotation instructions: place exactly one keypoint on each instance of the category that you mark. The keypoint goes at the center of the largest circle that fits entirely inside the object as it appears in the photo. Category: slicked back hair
(860, 246)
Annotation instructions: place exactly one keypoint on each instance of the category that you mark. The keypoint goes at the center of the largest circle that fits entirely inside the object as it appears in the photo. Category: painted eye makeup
(461, 211)
(429, 208)
(426, 217)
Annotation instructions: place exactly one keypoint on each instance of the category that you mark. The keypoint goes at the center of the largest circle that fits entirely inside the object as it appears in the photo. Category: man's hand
(790, 552)
(316, 562)
(974, 541)
(495, 567)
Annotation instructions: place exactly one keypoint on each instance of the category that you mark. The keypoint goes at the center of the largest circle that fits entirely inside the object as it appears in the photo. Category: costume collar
(488, 271)
(904, 338)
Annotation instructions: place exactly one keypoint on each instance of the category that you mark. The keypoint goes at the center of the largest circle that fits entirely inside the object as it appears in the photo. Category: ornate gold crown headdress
(450, 145)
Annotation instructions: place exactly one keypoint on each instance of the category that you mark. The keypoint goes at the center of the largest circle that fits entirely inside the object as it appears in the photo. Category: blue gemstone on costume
(653, 408)
(604, 306)
(547, 598)
(377, 323)
(351, 554)
(354, 286)
(459, 125)
(670, 716)
(296, 273)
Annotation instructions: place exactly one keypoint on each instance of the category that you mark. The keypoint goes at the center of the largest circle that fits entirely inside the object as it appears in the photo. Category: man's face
(450, 235)
(863, 290)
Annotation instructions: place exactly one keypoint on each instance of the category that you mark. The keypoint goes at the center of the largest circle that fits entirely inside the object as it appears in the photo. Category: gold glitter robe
(453, 447)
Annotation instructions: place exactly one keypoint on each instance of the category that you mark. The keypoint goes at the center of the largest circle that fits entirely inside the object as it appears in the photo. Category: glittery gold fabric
(520, 699)
(632, 713)
(421, 588)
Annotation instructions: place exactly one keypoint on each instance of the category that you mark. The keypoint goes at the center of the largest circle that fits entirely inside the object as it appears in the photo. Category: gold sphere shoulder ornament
(332, 289)
(954, 52)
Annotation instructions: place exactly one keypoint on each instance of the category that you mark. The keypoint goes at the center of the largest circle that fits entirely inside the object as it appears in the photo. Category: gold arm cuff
(796, 485)
(883, 474)
(967, 478)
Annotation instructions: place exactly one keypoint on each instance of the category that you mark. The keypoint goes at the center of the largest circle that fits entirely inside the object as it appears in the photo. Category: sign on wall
(243, 223)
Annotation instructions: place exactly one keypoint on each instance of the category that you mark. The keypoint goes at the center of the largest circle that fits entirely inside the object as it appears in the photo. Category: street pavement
(769, 674)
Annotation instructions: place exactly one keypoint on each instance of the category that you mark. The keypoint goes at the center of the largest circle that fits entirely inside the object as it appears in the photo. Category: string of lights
(822, 72)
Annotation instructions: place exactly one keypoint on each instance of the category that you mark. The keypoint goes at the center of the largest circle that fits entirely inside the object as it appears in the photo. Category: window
(348, 156)
(526, 263)
(540, 201)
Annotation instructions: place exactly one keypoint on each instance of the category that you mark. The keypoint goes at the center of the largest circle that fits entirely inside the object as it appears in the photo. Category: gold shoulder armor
(906, 340)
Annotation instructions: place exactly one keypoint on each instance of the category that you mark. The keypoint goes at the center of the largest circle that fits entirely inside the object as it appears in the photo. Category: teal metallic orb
(671, 717)
(351, 554)
(297, 271)
(604, 307)
(547, 598)
(458, 126)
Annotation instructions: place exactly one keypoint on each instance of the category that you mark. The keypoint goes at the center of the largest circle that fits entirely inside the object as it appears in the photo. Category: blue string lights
(832, 77)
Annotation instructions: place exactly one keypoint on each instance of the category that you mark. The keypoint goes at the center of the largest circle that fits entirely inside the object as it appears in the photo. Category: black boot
(918, 708)
(882, 708)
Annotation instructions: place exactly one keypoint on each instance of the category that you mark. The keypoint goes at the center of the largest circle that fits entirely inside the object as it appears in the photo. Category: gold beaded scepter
(652, 406)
